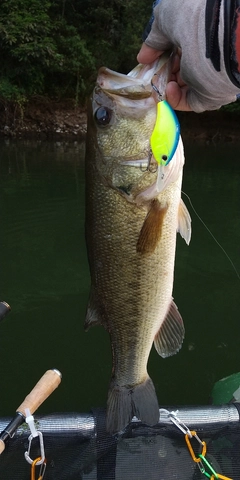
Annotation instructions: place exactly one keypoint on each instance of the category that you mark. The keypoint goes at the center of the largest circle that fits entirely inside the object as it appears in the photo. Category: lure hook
(150, 168)
(160, 96)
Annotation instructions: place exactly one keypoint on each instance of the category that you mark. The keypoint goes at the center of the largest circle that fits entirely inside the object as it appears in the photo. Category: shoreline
(46, 119)
(213, 127)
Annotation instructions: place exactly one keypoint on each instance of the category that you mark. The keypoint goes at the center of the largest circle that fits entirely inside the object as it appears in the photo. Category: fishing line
(214, 238)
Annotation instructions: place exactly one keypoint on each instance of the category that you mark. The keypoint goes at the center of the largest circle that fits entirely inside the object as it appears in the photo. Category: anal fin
(169, 338)
(151, 230)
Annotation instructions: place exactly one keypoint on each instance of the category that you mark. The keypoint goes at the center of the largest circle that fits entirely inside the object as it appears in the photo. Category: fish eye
(164, 157)
(103, 116)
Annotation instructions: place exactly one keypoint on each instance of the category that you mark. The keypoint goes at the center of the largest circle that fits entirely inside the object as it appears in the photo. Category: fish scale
(131, 241)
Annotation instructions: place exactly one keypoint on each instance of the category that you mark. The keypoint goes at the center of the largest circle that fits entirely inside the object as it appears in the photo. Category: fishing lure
(166, 132)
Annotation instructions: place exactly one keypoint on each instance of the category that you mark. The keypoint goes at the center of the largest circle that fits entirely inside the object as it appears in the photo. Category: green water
(44, 277)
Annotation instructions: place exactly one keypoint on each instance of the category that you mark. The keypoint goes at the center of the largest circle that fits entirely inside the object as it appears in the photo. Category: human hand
(176, 89)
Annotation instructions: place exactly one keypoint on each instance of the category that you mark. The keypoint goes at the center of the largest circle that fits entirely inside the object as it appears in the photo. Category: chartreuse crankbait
(166, 132)
(165, 135)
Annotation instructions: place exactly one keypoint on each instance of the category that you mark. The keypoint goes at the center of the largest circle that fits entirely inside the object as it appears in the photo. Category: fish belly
(130, 293)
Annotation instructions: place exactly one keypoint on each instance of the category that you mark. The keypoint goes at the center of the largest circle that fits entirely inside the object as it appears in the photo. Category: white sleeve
(181, 23)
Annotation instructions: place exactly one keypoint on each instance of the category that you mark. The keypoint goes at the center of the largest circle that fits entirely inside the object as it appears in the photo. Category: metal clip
(179, 423)
(203, 445)
(212, 475)
(41, 471)
(200, 460)
(42, 452)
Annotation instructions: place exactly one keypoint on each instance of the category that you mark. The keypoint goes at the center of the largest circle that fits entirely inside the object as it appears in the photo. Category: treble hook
(150, 168)
(160, 96)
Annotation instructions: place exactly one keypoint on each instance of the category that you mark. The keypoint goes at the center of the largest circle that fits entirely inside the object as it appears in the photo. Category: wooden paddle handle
(46, 385)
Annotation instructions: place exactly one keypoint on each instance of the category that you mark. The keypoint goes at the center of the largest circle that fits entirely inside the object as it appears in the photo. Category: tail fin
(124, 403)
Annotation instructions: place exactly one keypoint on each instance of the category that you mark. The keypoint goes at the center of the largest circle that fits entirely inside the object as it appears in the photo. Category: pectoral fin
(151, 230)
(169, 338)
(184, 222)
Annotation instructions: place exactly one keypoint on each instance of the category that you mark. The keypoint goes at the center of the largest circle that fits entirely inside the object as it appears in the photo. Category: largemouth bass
(131, 237)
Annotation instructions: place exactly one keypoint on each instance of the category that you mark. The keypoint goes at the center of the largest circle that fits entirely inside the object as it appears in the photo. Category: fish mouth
(137, 83)
(118, 93)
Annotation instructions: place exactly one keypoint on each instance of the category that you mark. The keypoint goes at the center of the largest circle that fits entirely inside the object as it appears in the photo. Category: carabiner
(222, 477)
(184, 428)
(42, 469)
(203, 444)
(42, 452)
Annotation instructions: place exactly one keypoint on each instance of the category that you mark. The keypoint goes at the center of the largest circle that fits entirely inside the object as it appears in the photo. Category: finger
(176, 77)
(179, 79)
(175, 70)
(176, 63)
(148, 54)
(177, 96)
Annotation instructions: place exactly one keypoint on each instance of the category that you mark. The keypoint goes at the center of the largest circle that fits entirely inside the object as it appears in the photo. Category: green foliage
(26, 45)
(55, 47)
(131, 37)
(232, 107)
(72, 65)
(10, 92)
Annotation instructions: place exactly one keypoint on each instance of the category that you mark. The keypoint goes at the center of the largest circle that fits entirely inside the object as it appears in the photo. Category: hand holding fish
(206, 74)
(176, 89)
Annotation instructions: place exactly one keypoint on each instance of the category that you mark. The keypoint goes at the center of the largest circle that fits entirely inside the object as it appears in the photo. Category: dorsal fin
(169, 338)
(151, 230)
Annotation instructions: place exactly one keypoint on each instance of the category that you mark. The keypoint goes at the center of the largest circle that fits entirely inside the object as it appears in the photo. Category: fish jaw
(130, 103)
(125, 140)
(138, 80)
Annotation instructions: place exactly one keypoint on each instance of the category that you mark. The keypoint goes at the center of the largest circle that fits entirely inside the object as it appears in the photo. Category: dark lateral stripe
(212, 15)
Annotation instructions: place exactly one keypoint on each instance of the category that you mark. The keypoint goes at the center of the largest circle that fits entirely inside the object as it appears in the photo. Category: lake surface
(44, 276)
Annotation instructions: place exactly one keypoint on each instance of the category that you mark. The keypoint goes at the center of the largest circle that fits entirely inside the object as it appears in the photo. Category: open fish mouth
(118, 96)
(137, 83)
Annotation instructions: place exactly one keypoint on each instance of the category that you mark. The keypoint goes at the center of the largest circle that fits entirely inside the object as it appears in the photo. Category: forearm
(182, 23)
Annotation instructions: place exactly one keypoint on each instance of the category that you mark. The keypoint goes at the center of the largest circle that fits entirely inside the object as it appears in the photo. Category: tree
(55, 47)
